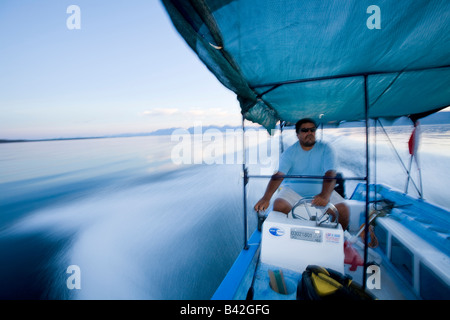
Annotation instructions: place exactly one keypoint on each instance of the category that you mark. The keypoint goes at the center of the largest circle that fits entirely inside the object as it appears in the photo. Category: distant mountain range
(436, 118)
(160, 132)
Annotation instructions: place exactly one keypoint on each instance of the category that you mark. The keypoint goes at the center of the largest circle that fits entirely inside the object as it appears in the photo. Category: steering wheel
(305, 210)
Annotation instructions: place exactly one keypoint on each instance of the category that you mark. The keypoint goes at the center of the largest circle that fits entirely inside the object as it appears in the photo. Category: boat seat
(416, 260)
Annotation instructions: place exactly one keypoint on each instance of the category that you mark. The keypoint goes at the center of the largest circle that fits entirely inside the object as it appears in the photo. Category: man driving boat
(305, 157)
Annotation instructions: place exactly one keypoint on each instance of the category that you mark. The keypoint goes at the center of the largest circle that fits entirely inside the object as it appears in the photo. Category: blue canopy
(290, 59)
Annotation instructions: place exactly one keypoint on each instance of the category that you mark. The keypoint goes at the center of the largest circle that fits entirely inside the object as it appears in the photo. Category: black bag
(318, 283)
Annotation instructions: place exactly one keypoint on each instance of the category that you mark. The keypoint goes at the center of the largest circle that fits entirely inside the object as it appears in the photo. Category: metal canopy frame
(246, 176)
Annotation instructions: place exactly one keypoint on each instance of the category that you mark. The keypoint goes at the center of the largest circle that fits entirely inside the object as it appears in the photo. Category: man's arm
(328, 185)
(273, 185)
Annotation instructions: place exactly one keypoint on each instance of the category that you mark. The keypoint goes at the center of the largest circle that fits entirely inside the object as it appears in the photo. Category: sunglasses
(304, 130)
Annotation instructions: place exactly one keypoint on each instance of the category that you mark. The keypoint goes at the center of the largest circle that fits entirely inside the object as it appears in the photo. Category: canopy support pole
(409, 178)
(282, 124)
(420, 182)
(409, 174)
(366, 226)
(245, 182)
(375, 155)
(401, 161)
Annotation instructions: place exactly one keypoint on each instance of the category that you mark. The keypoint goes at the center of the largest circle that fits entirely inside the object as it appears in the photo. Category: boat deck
(412, 256)
(392, 286)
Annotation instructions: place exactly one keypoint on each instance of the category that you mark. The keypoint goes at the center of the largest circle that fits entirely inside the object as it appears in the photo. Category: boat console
(306, 236)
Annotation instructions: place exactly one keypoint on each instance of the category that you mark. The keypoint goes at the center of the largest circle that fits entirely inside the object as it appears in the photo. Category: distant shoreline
(436, 119)
(41, 140)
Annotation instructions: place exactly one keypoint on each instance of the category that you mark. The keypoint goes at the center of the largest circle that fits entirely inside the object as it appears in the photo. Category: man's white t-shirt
(315, 162)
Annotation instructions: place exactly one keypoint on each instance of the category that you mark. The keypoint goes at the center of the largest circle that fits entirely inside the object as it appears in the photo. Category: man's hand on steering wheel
(320, 200)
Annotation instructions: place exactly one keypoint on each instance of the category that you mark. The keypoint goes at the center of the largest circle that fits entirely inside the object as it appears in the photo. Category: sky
(125, 70)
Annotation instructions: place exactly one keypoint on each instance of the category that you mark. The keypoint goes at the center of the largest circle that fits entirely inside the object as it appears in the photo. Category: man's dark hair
(302, 121)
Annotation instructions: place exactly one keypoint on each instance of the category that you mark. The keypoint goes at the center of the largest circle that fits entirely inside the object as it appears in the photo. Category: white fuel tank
(294, 244)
